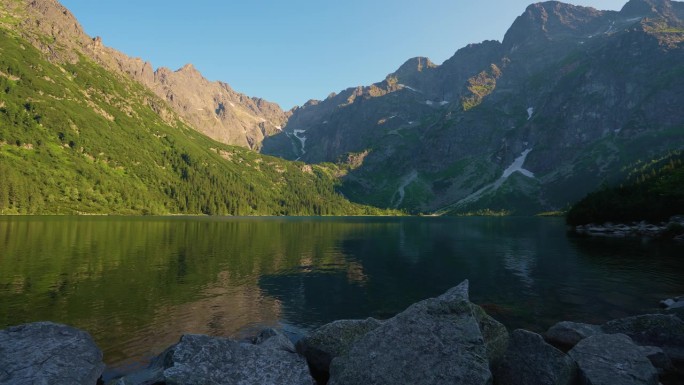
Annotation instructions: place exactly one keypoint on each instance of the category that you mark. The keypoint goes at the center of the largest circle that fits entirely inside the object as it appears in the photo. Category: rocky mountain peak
(671, 11)
(645, 7)
(40, 18)
(552, 20)
(417, 64)
(411, 69)
(55, 19)
(188, 69)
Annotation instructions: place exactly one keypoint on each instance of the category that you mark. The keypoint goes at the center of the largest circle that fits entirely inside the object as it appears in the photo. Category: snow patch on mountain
(516, 166)
(409, 88)
(302, 139)
(401, 191)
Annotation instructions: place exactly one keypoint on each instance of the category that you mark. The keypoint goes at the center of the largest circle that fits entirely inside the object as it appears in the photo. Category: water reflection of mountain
(408, 260)
(138, 283)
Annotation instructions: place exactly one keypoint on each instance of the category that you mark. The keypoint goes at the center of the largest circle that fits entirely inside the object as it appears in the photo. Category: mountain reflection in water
(137, 284)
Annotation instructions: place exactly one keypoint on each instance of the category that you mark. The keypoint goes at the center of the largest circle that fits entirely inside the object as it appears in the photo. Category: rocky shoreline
(442, 340)
(674, 229)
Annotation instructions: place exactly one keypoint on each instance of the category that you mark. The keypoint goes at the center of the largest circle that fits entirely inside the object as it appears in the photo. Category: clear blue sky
(292, 51)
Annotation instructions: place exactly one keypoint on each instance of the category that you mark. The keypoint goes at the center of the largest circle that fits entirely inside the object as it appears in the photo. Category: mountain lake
(138, 283)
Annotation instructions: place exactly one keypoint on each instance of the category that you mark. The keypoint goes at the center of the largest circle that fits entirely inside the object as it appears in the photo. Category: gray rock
(662, 330)
(530, 360)
(435, 341)
(567, 334)
(613, 359)
(200, 359)
(658, 358)
(273, 339)
(494, 333)
(332, 340)
(48, 353)
(677, 312)
(667, 302)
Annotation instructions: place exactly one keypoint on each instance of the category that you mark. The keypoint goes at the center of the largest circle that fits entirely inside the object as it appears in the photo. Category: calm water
(137, 284)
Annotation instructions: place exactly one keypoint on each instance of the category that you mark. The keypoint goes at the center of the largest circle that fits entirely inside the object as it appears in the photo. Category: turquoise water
(137, 284)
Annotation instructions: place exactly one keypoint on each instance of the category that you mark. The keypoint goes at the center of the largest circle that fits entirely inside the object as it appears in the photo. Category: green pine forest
(652, 192)
(78, 139)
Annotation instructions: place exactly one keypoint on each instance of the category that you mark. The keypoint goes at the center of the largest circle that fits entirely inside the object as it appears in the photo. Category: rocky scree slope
(212, 108)
(585, 92)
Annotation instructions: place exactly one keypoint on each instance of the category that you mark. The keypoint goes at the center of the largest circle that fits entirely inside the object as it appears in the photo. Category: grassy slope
(75, 138)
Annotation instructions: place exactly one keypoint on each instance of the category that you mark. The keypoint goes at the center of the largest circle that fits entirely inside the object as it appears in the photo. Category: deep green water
(137, 284)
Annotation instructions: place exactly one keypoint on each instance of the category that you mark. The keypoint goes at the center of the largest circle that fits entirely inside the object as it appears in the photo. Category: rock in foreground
(608, 359)
(200, 359)
(661, 330)
(330, 341)
(435, 341)
(48, 353)
(566, 334)
(530, 360)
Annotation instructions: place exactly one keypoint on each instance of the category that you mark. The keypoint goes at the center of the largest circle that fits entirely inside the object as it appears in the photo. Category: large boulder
(661, 330)
(611, 359)
(530, 360)
(200, 359)
(330, 341)
(48, 353)
(566, 334)
(435, 341)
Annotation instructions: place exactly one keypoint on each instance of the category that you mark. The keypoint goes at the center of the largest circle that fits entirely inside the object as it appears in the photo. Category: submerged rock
(48, 353)
(330, 341)
(608, 359)
(567, 334)
(200, 359)
(435, 341)
(530, 360)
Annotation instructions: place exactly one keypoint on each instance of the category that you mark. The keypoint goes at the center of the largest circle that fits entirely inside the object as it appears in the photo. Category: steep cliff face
(568, 100)
(212, 108)
(216, 110)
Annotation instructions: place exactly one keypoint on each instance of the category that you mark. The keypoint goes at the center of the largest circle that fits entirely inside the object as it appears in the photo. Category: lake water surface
(137, 284)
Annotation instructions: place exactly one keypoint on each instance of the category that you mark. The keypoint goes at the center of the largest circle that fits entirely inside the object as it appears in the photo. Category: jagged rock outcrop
(215, 109)
(48, 353)
(434, 341)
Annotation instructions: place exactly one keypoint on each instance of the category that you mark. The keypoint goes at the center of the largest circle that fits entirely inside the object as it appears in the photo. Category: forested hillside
(76, 138)
(654, 192)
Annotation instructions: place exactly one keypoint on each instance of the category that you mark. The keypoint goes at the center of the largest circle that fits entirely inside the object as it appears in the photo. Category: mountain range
(570, 100)
(80, 133)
